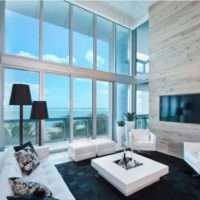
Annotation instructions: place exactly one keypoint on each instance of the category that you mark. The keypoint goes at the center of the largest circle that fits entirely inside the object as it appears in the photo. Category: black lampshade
(39, 110)
(20, 95)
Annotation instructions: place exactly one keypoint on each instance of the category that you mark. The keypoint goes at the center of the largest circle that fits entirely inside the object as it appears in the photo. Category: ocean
(13, 113)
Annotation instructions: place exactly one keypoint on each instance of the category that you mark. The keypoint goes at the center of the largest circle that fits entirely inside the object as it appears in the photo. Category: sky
(25, 43)
(22, 38)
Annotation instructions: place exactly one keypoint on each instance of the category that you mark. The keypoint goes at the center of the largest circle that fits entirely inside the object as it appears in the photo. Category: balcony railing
(142, 121)
(56, 129)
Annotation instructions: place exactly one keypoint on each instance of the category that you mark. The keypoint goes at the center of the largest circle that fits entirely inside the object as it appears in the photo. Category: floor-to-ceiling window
(82, 107)
(142, 48)
(122, 50)
(11, 113)
(104, 108)
(56, 31)
(22, 28)
(57, 91)
(105, 48)
(123, 100)
(142, 105)
(82, 38)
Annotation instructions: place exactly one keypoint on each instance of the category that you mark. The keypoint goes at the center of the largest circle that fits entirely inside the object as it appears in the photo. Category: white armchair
(192, 155)
(142, 139)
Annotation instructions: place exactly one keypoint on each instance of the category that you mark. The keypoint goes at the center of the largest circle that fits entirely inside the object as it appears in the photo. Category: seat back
(140, 134)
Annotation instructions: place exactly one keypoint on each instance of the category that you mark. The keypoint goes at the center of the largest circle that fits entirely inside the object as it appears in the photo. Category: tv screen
(180, 108)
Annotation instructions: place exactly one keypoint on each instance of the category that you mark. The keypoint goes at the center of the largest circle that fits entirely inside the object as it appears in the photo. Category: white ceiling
(128, 13)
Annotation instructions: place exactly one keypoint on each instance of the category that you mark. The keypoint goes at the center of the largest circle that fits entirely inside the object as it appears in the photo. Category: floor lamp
(21, 96)
(39, 111)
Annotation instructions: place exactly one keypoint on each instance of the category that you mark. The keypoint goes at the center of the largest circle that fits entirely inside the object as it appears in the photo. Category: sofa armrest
(191, 146)
(42, 152)
(153, 137)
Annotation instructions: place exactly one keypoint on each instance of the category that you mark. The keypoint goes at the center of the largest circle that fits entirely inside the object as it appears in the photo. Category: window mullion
(71, 109)
(94, 108)
(94, 42)
(41, 18)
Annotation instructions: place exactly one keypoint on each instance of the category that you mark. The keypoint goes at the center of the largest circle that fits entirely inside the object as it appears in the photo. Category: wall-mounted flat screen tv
(180, 108)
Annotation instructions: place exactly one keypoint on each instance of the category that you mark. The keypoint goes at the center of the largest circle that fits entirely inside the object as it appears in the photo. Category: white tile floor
(60, 157)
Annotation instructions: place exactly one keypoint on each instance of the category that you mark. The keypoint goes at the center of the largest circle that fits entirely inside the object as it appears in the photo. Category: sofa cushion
(47, 174)
(2, 160)
(23, 187)
(10, 165)
(27, 159)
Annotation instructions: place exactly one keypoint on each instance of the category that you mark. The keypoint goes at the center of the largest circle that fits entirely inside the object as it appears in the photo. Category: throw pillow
(29, 197)
(27, 159)
(23, 187)
(29, 144)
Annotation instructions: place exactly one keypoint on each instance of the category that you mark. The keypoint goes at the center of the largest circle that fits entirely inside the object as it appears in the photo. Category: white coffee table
(132, 180)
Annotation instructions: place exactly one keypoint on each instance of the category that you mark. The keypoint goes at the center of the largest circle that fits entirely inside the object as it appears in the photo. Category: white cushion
(191, 157)
(102, 143)
(2, 160)
(143, 143)
(104, 146)
(140, 134)
(10, 169)
(42, 152)
(81, 150)
(45, 173)
(82, 147)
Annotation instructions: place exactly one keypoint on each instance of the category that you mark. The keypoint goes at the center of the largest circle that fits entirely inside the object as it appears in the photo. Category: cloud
(25, 54)
(100, 61)
(54, 58)
(89, 57)
(48, 57)
(102, 91)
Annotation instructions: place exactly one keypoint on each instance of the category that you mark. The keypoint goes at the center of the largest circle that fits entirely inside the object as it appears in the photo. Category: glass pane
(142, 99)
(22, 28)
(11, 113)
(104, 108)
(123, 57)
(57, 97)
(104, 32)
(82, 108)
(56, 31)
(123, 100)
(142, 55)
(82, 38)
(140, 68)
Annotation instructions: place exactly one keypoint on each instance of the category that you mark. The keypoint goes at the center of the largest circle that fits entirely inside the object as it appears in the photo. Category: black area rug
(85, 183)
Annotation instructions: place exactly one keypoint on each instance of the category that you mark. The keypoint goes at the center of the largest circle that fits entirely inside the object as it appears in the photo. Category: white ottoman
(81, 150)
(104, 146)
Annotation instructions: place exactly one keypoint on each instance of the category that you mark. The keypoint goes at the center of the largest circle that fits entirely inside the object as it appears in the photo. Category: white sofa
(142, 139)
(45, 173)
(192, 155)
